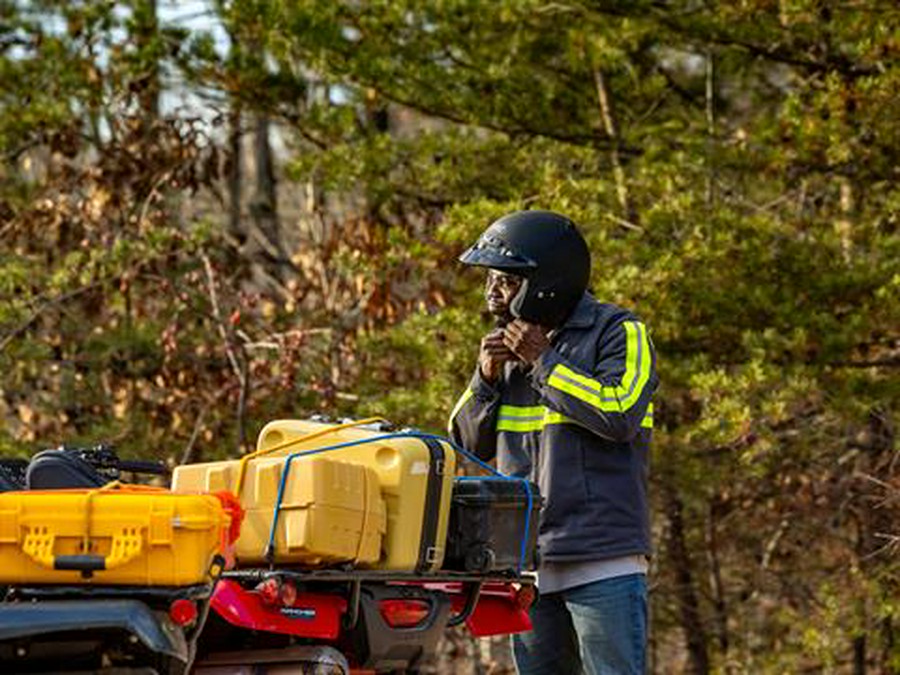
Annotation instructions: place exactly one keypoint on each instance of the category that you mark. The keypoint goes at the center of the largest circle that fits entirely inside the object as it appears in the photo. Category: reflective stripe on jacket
(579, 424)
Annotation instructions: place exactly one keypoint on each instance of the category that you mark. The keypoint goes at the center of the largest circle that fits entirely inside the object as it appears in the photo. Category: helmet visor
(493, 253)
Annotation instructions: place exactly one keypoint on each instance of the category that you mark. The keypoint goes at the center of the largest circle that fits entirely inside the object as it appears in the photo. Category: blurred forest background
(214, 214)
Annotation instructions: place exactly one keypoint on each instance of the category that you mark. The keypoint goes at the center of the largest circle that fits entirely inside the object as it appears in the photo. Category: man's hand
(526, 340)
(493, 355)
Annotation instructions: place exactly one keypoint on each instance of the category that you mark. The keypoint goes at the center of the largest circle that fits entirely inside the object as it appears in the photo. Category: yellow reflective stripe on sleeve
(520, 418)
(610, 398)
(522, 410)
(467, 394)
(647, 422)
(520, 427)
(642, 366)
(524, 419)
(557, 418)
(566, 380)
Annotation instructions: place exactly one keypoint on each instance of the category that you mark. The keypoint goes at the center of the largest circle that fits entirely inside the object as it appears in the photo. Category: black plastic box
(12, 474)
(75, 467)
(487, 526)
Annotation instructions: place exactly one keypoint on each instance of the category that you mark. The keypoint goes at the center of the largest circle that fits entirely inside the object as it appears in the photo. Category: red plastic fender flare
(312, 615)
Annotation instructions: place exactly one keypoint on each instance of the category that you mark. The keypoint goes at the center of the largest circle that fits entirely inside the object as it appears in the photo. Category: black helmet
(548, 251)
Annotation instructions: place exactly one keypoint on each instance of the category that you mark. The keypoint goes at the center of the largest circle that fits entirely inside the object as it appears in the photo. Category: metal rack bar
(375, 576)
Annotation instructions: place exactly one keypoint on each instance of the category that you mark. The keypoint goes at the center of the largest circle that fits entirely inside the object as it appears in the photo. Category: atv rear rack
(472, 584)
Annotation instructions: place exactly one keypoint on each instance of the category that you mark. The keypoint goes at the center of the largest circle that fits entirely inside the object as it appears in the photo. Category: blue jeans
(599, 628)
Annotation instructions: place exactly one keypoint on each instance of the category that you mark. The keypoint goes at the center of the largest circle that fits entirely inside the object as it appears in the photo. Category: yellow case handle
(242, 469)
(126, 545)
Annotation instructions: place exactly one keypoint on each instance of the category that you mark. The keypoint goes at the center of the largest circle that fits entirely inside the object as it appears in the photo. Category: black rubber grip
(81, 563)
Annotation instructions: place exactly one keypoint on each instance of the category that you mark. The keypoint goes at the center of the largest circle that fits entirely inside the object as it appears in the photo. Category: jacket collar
(583, 314)
(581, 317)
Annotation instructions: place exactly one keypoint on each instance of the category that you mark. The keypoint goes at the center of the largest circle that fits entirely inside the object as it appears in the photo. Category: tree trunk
(859, 655)
(146, 33)
(695, 635)
(715, 580)
(887, 646)
(267, 248)
(710, 128)
(235, 171)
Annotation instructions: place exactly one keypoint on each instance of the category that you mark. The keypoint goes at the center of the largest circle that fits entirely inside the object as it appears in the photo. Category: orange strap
(232, 506)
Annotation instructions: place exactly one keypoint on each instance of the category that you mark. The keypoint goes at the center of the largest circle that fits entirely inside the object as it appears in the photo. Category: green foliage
(749, 212)
(416, 371)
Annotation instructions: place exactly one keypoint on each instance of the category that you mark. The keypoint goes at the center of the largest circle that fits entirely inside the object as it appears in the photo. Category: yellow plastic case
(109, 537)
(416, 477)
(331, 512)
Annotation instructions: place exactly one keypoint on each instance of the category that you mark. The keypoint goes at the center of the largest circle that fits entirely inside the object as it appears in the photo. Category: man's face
(499, 290)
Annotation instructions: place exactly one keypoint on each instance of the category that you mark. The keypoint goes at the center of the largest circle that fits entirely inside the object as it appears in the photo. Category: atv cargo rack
(472, 584)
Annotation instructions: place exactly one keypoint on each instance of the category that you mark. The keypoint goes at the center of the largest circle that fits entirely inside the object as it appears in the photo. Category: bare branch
(627, 224)
(238, 366)
(188, 455)
(611, 127)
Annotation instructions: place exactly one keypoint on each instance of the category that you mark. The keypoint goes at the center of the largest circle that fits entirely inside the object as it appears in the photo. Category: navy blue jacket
(579, 424)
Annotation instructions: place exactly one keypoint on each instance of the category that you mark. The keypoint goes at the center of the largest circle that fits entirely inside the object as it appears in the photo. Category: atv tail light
(288, 594)
(270, 590)
(183, 612)
(525, 596)
(404, 613)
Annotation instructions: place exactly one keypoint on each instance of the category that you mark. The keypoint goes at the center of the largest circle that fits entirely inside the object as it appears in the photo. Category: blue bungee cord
(270, 547)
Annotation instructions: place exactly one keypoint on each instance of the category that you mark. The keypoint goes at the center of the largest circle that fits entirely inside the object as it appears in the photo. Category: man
(562, 395)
